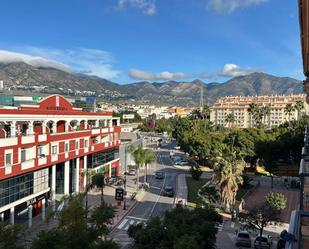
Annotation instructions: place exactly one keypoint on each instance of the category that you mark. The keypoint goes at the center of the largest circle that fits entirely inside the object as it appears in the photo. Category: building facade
(45, 150)
(238, 106)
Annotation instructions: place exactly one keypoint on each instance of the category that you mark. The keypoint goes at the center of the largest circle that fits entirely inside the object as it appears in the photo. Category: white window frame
(21, 151)
(66, 147)
(86, 143)
(52, 150)
(11, 158)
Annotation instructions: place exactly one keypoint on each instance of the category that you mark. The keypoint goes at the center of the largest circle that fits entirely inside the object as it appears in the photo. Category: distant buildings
(237, 107)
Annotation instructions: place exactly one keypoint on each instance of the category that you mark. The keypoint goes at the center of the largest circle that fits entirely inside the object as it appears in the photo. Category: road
(154, 203)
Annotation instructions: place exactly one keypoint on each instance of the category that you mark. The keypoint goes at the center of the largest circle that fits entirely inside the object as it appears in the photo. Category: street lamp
(125, 177)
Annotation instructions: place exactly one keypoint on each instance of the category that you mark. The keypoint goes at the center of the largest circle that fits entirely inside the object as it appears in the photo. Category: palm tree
(228, 175)
(289, 108)
(209, 194)
(206, 112)
(252, 110)
(138, 156)
(148, 158)
(230, 119)
(265, 111)
(299, 105)
(98, 181)
(88, 173)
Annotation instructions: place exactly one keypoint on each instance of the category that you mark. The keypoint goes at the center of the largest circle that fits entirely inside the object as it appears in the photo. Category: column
(2, 217)
(54, 127)
(30, 216)
(67, 178)
(12, 214)
(77, 176)
(118, 122)
(85, 170)
(30, 128)
(66, 126)
(43, 127)
(43, 209)
(13, 129)
(53, 187)
(96, 123)
(110, 170)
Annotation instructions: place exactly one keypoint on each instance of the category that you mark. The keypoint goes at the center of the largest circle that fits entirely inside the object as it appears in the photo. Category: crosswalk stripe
(122, 224)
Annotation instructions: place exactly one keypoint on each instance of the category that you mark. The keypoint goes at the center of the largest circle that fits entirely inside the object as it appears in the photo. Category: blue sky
(132, 40)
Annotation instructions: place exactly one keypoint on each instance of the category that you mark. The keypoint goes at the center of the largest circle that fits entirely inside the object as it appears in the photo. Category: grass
(193, 187)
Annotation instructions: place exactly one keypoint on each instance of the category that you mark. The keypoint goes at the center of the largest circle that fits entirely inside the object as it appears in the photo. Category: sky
(133, 40)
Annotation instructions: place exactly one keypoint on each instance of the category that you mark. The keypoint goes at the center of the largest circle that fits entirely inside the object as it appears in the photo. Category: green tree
(74, 230)
(10, 236)
(299, 106)
(276, 201)
(197, 225)
(196, 173)
(265, 112)
(252, 110)
(99, 182)
(262, 214)
(209, 194)
(148, 158)
(230, 120)
(228, 174)
(289, 108)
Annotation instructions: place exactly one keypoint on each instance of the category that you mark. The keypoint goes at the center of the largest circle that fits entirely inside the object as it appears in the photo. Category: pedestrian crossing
(129, 221)
(220, 226)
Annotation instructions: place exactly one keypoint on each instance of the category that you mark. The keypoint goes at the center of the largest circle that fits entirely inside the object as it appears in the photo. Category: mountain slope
(18, 76)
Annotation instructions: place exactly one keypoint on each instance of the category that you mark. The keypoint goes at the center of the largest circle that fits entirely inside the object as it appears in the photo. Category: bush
(196, 173)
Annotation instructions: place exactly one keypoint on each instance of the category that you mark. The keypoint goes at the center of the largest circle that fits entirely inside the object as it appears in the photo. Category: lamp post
(125, 177)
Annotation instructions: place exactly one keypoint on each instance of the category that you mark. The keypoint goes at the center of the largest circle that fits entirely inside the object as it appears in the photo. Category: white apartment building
(238, 106)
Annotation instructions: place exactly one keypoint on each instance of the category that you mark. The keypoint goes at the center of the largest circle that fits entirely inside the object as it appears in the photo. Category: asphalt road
(154, 203)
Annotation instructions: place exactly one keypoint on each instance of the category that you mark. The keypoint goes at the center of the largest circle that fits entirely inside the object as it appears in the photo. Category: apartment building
(46, 147)
(238, 106)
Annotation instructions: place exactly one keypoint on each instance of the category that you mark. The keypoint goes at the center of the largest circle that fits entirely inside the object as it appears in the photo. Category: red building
(45, 150)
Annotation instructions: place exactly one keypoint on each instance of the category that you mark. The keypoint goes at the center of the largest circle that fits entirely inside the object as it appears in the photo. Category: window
(54, 149)
(77, 145)
(66, 147)
(23, 155)
(86, 143)
(8, 159)
(41, 151)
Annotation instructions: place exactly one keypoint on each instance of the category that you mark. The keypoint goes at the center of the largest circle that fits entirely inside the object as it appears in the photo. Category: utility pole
(202, 98)
(125, 177)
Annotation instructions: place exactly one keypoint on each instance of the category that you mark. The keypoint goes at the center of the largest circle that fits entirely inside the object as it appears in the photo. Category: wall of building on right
(270, 110)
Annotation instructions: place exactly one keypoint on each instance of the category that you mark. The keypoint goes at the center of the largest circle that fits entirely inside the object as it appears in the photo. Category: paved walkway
(181, 189)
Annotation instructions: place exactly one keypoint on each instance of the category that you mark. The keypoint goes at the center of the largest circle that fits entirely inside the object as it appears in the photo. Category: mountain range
(22, 78)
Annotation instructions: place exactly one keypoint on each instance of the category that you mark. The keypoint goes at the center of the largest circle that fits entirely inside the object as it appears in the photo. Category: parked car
(168, 191)
(263, 242)
(243, 239)
(131, 172)
(159, 175)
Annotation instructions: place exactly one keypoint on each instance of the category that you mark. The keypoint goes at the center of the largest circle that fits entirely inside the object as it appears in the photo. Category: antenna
(202, 98)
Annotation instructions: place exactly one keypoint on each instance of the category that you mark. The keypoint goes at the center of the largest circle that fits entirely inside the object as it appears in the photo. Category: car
(262, 242)
(243, 239)
(168, 191)
(159, 175)
(131, 172)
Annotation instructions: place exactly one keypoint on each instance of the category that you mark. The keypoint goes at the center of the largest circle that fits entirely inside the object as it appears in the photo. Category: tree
(148, 158)
(137, 153)
(178, 227)
(99, 181)
(75, 231)
(252, 110)
(289, 108)
(9, 236)
(206, 112)
(230, 119)
(261, 215)
(209, 194)
(265, 112)
(195, 173)
(276, 201)
(299, 106)
(228, 175)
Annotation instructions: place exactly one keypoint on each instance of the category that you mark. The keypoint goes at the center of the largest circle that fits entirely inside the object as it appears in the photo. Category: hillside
(19, 77)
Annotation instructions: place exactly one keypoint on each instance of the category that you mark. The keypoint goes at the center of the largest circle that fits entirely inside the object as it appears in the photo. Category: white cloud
(37, 61)
(84, 60)
(148, 7)
(144, 75)
(232, 70)
(229, 6)
(228, 71)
